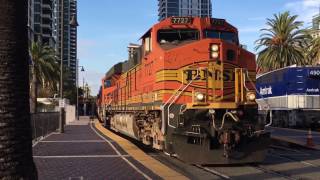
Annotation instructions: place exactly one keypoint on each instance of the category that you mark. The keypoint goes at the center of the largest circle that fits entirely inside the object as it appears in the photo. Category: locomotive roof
(193, 22)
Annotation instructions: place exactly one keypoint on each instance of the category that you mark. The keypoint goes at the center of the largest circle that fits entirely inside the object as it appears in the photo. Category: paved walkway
(81, 153)
(294, 136)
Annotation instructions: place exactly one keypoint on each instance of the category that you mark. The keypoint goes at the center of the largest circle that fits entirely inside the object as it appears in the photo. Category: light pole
(61, 116)
(72, 23)
(82, 70)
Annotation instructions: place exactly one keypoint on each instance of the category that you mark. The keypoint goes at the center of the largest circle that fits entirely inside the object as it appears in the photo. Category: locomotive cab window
(107, 83)
(177, 36)
(227, 36)
(147, 44)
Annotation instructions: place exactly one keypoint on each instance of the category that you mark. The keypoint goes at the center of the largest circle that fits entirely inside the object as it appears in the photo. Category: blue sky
(108, 26)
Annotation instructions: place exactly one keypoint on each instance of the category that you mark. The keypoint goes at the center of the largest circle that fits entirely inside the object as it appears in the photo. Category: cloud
(304, 8)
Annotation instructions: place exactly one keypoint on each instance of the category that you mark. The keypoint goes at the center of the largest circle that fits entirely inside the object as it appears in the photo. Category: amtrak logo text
(266, 91)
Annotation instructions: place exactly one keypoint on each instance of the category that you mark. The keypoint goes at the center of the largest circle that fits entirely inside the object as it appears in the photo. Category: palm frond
(282, 42)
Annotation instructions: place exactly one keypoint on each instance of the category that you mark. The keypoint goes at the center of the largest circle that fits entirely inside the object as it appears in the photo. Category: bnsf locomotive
(188, 90)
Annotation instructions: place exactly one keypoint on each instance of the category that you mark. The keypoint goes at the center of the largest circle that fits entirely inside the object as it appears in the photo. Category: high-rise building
(47, 22)
(69, 38)
(73, 40)
(43, 16)
(199, 8)
(30, 22)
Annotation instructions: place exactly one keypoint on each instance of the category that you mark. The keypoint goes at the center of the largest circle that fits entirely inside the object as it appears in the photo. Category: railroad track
(274, 173)
(214, 172)
(289, 158)
(268, 172)
(264, 170)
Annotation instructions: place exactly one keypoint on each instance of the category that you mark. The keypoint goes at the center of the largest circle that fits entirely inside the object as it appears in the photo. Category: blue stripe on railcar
(289, 81)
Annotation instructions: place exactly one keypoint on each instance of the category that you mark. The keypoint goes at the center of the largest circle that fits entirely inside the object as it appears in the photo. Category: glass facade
(69, 36)
(200, 8)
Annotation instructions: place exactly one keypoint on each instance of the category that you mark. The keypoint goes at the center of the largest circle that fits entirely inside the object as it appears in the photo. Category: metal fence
(44, 123)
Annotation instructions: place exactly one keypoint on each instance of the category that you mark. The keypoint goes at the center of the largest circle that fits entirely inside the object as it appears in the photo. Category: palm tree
(313, 53)
(15, 128)
(45, 71)
(282, 43)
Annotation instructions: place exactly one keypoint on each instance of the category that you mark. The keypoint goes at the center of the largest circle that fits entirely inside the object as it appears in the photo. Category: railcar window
(176, 36)
(227, 36)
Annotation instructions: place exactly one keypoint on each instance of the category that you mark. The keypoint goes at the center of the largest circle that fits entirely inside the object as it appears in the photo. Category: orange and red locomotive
(189, 90)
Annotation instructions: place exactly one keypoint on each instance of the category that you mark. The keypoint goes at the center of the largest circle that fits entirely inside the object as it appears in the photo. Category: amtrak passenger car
(292, 95)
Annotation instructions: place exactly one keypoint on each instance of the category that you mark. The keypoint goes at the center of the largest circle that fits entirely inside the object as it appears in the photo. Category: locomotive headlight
(251, 96)
(215, 55)
(200, 96)
(214, 47)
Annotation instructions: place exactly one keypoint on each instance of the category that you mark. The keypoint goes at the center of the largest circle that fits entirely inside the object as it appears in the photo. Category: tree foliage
(45, 65)
(282, 43)
(313, 53)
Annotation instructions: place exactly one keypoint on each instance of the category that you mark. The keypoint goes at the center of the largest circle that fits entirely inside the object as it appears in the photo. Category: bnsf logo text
(202, 75)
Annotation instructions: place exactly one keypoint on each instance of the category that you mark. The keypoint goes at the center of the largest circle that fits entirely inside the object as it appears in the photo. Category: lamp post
(82, 70)
(72, 23)
(61, 116)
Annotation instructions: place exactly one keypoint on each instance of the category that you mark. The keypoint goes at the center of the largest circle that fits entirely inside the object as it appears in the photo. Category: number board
(181, 20)
(315, 73)
(217, 22)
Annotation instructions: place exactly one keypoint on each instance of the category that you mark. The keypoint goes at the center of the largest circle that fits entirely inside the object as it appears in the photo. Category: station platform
(88, 151)
(295, 136)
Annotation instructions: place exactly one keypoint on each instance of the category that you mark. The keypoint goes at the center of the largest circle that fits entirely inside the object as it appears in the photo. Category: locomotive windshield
(177, 36)
(227, 36)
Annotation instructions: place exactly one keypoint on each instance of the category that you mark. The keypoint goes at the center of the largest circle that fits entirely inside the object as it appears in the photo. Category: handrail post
(242, 85)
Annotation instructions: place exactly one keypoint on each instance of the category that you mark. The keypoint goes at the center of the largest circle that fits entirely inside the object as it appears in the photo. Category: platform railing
(43, 124)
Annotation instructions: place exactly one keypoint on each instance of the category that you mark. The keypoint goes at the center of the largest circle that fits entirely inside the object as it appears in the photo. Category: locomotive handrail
(263, 98)
(163, 128)
(162, 107)
(176, 97)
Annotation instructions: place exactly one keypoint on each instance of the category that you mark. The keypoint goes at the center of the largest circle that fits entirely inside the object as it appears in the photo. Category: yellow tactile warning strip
(155, 166)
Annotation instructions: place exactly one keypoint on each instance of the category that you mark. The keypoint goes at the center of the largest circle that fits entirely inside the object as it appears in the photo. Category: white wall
(70, 113)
